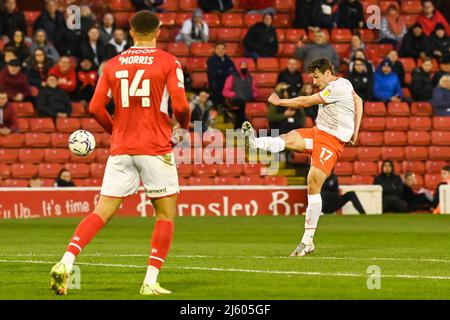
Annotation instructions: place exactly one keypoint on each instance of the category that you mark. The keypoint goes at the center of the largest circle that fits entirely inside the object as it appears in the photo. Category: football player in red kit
(140, 80)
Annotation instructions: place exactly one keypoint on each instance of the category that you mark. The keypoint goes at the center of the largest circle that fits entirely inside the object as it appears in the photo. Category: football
(81, 143)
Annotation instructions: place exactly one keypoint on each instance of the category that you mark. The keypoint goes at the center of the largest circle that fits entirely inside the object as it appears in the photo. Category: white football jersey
(337, 114)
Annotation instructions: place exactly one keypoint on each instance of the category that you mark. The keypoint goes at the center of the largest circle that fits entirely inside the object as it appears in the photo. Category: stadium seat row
(344, 168)
(42, 140)
(402, 138)
(51, 155)
(66, 125)
(409, 153)
(429, 181)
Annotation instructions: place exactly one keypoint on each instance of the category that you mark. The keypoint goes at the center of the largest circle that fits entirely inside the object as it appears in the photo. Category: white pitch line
(237, 257)
(303, 273)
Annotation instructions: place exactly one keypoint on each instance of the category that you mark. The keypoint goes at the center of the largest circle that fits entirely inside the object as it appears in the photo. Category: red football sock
(161, 241)
(86, 230)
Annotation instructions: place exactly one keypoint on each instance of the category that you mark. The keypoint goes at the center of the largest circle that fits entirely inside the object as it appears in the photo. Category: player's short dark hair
(145, 22)
(322, 65)
(446, 168)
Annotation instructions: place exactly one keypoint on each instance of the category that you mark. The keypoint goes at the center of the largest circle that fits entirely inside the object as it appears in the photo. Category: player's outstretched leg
(160, 245)
(316, 178)
(84, 233)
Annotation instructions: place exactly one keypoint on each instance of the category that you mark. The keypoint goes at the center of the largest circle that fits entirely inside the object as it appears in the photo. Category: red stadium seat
(37, 139)
(178, 49)
(312, 33)
(282, 20)
(12, 140)
(78, 170)
(341, 35)
(67, 125)
(368, 153)
(371, 138)
(410, 19)
(122, 19)
(86, 159)
(90, 124)
(31, 155)
(366, 168)
(378, 50)
(406, 92)
(104, 139)
(256, 109)
(267, 64)
(204, 170)
(187, 5)
(349, 154)
(93, 182)
(251, 19)
(341, 48)
(201, 181)
(343, 168)
(59, 140)
(368, 35)
(281, 35)
(230, 170)
(385, 4)
(435, 166)
(345, 180)
(394, 138)
(287, 49)
(31, 16)
(411, 7)
(275, 181)
(121, 5)
(196, 64)
(199, 80)
(284, 5)
(264, 94)
(420, 123)
(421, 109)
(24, 125)
(42, 125)
(165, 34)
(418, 138)
(230, 34)
(251, 181)
(252, 169)
(226, 181)
(397, 123)
(408, 64)
(184, 170)
(265, 79)
(393, 153)
(432, 180)
(232, 19)
(57, 155)
(102, 154)
(170, 5)
(8, 155)
(417, 167)
(202, 49)
(441, 123)
(399, 109)
(441, 138)
(309, 122)
(300, 158)
(5, 171)
(97, 170)
(49, 170)
(294, 35)
(15, 183)
(23, 170)
(375, 109)
(373, 124)
(212, 19)
(181, 17)
(183, 181)
(413, 153)
(167, 18)
(365, 179)
(259, 123)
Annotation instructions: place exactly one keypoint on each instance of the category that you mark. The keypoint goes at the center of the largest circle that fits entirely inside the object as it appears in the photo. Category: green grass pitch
(237, 258)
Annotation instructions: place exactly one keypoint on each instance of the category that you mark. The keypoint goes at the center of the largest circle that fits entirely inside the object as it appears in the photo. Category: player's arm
(180, 105)
(296, 103)
(358, 116)
(97, 107)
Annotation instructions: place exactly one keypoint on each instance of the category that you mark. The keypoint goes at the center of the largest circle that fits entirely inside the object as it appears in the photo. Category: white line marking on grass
(303, 273)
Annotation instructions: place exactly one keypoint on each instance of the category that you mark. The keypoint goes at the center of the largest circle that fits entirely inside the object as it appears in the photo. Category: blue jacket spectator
(261, 39)
(386, 85)
(215, 5)
(220, 66)
(441, 97)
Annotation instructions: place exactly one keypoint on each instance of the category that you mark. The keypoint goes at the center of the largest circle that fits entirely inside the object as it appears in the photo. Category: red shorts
(326, 149)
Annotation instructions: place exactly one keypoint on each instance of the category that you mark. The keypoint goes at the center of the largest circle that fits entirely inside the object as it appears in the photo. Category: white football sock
(151, 276)
(272, 144)
(313, 212)
(68, 259)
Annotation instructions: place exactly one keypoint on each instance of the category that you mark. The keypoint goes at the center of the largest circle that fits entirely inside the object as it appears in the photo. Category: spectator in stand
(441, 97)
(87, 18)
(422, 84)
(37, 67)
(50, 19)
(8, 116)
(201, 107)
(308, 90)
(35, 182)
(11, 19)
(355, 45)
(444, 69)
(66, 75)
(320, 48)
(40, 41)
(445, 179)
(415, 43)
(351, 15)
(292, 76)
(14, 82)
(285, 119)
(360, 54)
(439, 42)
(397, 66)
(194, 29)
(53, 101)
(430, 17)
(117, 44)
(392, 186)
(152, 5)
(393, 27)
(87, 79)
(64, 179)
(386, 85)
(92, 48)
(258, 6)
(329, 14)
(416, 200)
(18, 42)
(106, 28)
(240, 88)
(219, 67)
(307, 14)
(215, 5)
(261, 39)
(333, 201)
(361, 79)
(8, 55)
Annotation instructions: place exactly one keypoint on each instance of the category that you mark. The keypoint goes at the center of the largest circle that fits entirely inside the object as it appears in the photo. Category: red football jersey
(141, 80)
